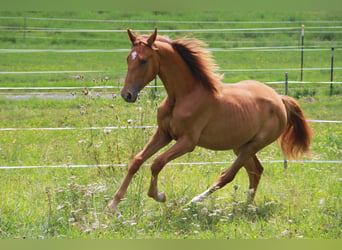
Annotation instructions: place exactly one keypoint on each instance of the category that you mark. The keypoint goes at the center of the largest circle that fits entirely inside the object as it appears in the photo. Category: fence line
(259, 49)
(148, 86)
(289, 69)
(281, 82)
(67, 30)
(171, 21)
(169, 164)
(327, 29)
(19, 28)
(267, 49)
(323, 121)
(64, 88)
(76, 38)
(53, 72)
(79, 128)
(64, 50)
(105, 71)
(208, 41)
(175, 31)
(122, 127)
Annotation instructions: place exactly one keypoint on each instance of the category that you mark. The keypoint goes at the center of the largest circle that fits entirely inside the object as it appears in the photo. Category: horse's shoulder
(164, 112)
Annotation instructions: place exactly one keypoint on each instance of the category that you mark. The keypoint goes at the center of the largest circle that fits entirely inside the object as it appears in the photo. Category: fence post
(24, 29)
(286, 84)
(332, 71)
(155, 84)
(286, 92)
(302, 55)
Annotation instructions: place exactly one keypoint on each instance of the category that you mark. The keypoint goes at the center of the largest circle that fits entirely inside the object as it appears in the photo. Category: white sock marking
(201, 196)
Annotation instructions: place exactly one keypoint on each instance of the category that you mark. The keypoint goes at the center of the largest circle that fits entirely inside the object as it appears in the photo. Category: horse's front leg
(157, 141)
(182, 146)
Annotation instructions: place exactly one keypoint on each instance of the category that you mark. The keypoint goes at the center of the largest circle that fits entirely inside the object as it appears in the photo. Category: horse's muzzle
(129, 96)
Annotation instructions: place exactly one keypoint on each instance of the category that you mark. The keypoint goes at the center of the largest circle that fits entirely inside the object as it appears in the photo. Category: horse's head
(143, 65)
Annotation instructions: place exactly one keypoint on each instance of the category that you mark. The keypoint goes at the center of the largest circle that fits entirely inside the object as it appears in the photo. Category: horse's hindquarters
(243, 112)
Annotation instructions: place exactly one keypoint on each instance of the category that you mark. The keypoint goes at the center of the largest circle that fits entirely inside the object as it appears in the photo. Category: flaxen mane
(199, 60)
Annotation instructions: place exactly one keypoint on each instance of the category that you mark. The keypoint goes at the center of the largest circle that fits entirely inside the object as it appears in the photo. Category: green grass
(69, 202)
(303, 201)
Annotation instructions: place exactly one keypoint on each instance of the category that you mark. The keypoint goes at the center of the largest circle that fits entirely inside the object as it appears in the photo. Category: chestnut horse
(201, 111)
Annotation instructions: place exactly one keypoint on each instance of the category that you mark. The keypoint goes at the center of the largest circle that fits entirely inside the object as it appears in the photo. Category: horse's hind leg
(245, 154)
(254, 170)
(245, 157)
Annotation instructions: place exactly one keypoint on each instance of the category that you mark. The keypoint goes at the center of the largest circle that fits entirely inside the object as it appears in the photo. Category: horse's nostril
(129, 96)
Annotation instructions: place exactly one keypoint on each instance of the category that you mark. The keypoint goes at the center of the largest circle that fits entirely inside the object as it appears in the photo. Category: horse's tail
(296, 139)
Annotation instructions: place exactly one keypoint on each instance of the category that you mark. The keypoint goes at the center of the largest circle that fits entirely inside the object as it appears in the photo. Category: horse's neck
(175, 74)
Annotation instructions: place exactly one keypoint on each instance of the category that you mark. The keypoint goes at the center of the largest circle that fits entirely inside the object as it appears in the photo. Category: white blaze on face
(134, 55)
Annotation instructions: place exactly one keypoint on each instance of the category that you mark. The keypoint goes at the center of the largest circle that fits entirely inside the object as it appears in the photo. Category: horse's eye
(143, 61)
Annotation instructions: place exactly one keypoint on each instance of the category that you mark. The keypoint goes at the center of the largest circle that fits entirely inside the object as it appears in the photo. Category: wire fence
(207, 41)
(119, 87)
(329, 26)
(170, 21)
(294, 28)
(169, 164)
(122, 127)
(236, 31)
(124, 72)
(241, 49)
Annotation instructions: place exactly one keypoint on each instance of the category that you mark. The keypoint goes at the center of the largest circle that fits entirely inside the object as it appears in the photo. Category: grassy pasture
(303, 201)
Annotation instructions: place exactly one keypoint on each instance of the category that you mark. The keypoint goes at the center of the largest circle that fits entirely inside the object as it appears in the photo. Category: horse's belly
(225, 138)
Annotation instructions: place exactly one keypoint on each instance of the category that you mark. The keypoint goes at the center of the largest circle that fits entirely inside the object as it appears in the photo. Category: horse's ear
(132, 37)
(152, 38)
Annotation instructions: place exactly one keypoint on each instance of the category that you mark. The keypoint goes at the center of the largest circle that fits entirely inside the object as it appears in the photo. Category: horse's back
(250, 92)
(256, 88)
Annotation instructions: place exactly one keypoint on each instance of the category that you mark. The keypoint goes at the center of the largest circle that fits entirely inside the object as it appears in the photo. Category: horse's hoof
(250, 195)
(196, 200)
(111, 208)
(160, 196)
(199, 198)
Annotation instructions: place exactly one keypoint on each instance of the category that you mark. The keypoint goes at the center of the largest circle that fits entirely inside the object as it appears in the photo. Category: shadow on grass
(211, 216)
